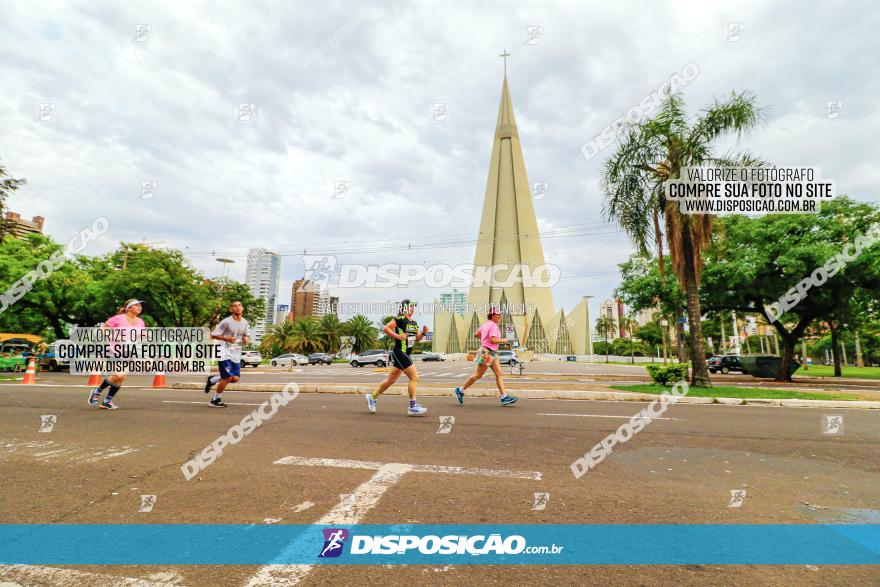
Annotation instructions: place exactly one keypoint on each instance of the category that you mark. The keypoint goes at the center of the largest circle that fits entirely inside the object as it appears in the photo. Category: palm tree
(628, 324)
(634, 179)
(307, 336)
(279, 338)
(605, 328)
(386, 341)
(363, 331)
(331, 329)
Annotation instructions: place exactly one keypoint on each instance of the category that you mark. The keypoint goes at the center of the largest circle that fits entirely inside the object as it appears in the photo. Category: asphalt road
(94, 465)
(451, 373)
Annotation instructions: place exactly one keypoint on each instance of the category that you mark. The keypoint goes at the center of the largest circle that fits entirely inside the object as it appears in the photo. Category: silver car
(252, 358)
(378, 358)
(289, 359)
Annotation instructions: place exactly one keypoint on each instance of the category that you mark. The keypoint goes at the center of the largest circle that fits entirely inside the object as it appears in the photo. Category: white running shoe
(417, 410)
(371, 403)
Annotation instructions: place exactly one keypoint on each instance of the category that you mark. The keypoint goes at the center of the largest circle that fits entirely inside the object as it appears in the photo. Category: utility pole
(721, 345)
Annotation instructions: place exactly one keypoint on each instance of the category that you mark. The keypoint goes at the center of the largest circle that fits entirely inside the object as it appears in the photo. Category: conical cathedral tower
(508, 238)
(508, 228)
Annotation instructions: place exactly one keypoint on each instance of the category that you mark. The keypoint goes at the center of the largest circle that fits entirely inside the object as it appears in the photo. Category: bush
(668, 375)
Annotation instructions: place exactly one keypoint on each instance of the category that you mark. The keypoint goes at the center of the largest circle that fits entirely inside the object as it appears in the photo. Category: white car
(289, 359)
(377, 357)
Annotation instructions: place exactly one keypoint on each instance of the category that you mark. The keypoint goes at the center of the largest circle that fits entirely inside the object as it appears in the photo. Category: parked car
(506, 357)
(377, 357)
(289, 359)
(433, 357)
(320, 358)
(725, 364)
(252, 358)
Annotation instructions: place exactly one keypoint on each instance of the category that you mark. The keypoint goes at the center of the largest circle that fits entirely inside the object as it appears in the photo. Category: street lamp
(225, 263)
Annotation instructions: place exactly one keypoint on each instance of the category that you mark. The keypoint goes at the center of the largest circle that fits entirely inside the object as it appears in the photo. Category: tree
(7, 186)
(629, 324)
(224, 291)
(363, 331)
(52, 300)
(331, 329)
(753, 262)
(386, 341)
(279, 338)
(634, 181)
(307, 336)
(605, 328)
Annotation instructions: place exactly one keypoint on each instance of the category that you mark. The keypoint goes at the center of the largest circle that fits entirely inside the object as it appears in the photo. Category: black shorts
(400, 360)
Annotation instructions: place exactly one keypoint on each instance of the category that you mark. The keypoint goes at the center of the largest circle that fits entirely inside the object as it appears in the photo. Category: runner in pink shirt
(490, 337)
(128, 319)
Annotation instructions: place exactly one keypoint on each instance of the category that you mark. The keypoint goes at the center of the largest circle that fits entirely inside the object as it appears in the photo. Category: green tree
(331, 329)
(634, 179)
(222, 292)
(307, 336)
(7, 186)
(753, 262)
(51, 302)
(278, 339)
(605, 328)
(363, 331)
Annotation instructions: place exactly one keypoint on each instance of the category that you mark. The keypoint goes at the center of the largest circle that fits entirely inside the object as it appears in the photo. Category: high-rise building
(610, 309)
(307, 299)
(262, 277)
(454, 299)
(510, 243)
(18, 227)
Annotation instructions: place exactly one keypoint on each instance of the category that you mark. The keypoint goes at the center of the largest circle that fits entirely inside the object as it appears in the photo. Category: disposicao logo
(334, 541)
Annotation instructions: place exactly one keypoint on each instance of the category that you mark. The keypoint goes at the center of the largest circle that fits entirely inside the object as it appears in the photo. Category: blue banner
(601, 544)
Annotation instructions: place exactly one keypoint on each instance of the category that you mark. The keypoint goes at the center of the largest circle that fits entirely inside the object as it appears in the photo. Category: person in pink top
(129, 319)
(490, 337)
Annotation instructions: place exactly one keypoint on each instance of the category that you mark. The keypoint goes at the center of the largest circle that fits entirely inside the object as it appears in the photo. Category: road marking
(354, 506)
(45, 451)
(171, 401)
(602, 416)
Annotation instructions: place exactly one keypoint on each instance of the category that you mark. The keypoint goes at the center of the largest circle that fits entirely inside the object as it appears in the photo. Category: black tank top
(408, 327)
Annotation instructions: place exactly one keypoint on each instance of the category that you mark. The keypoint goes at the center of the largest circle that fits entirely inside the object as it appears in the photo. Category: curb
(545, 394)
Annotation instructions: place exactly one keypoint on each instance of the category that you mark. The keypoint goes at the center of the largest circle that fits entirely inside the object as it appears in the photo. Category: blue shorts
(229, 369)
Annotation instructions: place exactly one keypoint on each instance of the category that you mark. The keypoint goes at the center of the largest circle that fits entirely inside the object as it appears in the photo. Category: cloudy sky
(343, 91)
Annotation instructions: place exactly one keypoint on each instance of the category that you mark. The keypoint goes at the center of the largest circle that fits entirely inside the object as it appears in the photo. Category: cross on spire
(505, 55)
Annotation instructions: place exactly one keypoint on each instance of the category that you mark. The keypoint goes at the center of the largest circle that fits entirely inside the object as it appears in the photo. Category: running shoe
(217, 403)
(508, 400)
(417, 410)
(94, 396)
(108, 404)
(459, 394)
(208, 384)
(371, 403)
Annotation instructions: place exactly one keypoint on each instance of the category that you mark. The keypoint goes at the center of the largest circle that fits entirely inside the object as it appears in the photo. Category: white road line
(171, 401)
(350, 510)
(602, 416)
(354, 506)
(39, 575)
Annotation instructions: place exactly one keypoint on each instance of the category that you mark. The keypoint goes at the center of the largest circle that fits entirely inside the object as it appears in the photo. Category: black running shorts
(400, 360)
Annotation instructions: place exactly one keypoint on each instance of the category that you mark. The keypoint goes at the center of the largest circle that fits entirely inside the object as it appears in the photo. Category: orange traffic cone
(30, 376)
(94, 379)
(159, 380)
